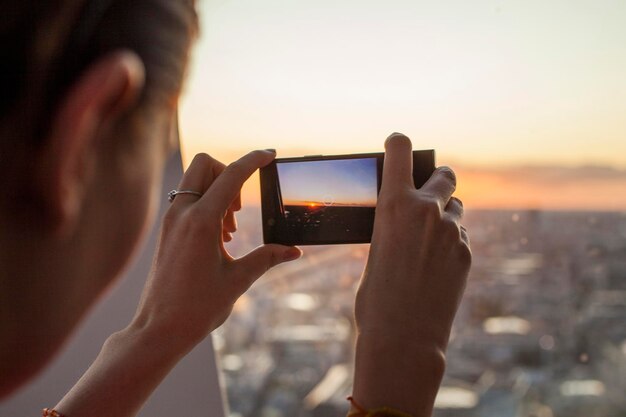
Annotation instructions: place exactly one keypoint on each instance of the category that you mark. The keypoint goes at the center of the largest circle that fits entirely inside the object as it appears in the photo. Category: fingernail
(448, 172)
(292, 254)
(271, 150)
(398, 139)
(394, 134)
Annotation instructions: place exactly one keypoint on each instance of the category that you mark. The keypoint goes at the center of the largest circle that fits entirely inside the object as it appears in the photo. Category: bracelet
(48, 412)
(376, 412)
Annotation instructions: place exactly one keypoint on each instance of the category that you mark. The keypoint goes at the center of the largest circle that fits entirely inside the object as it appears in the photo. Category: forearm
(130, 366)
(399, 374)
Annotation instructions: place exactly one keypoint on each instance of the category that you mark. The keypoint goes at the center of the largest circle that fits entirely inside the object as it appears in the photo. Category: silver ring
(172, 194)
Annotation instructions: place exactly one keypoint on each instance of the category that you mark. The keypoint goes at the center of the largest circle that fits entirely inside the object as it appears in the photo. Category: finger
(230, 222)
(398, 163)
(228, 185)
(263, 258)
(441, 184)
(198, 177)
(455, 208)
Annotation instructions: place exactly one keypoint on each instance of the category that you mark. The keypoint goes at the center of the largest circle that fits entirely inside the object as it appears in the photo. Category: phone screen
(328, 200)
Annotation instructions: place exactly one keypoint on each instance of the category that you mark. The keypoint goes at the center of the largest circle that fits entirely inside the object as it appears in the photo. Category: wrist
(166, 326)
(413, 356)
(158, 337)
(402, 374)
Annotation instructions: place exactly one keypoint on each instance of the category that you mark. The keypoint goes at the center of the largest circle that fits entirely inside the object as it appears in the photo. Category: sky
(351, 182)
(503, 90)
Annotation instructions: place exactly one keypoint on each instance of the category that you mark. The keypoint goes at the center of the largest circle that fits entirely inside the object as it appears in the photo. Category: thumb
(263, 258)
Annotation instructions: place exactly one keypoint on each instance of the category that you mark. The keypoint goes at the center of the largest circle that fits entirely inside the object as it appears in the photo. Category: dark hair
(46, 44)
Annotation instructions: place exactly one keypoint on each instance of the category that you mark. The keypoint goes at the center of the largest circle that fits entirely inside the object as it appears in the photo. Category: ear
(99, 98)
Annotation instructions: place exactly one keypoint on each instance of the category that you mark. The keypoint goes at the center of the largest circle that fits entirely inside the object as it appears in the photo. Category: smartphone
(323, 200)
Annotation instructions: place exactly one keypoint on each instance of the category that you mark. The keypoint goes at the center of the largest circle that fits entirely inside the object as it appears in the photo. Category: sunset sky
(525, 99)
(350, 182)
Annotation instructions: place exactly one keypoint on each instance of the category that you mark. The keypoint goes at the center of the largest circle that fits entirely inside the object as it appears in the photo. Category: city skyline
(537, 332)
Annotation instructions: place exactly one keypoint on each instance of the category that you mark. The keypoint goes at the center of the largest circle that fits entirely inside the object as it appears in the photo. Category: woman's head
(46, 45)
(89, 96)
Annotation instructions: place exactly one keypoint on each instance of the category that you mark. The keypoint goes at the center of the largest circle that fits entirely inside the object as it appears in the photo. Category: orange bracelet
(377, 412)
(47, 412)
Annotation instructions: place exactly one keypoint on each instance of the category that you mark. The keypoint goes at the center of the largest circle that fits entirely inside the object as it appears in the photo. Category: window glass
(525, 100)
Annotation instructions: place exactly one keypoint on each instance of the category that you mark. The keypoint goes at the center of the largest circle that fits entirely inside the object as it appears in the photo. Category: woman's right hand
(195, 281)
(411, 288)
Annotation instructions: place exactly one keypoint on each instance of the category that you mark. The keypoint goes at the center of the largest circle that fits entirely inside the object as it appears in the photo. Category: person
(87, 120)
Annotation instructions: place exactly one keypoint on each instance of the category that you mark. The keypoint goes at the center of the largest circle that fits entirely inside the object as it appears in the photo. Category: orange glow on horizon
(507, 188)
(488, 190)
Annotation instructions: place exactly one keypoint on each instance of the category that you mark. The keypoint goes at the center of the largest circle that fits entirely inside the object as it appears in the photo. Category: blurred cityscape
(541, 331)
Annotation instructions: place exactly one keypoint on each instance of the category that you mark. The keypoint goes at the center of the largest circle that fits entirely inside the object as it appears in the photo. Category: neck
(38, 308)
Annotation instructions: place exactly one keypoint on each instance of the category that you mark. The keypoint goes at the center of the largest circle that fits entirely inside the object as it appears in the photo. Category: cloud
(551, 174)
(549, 187)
